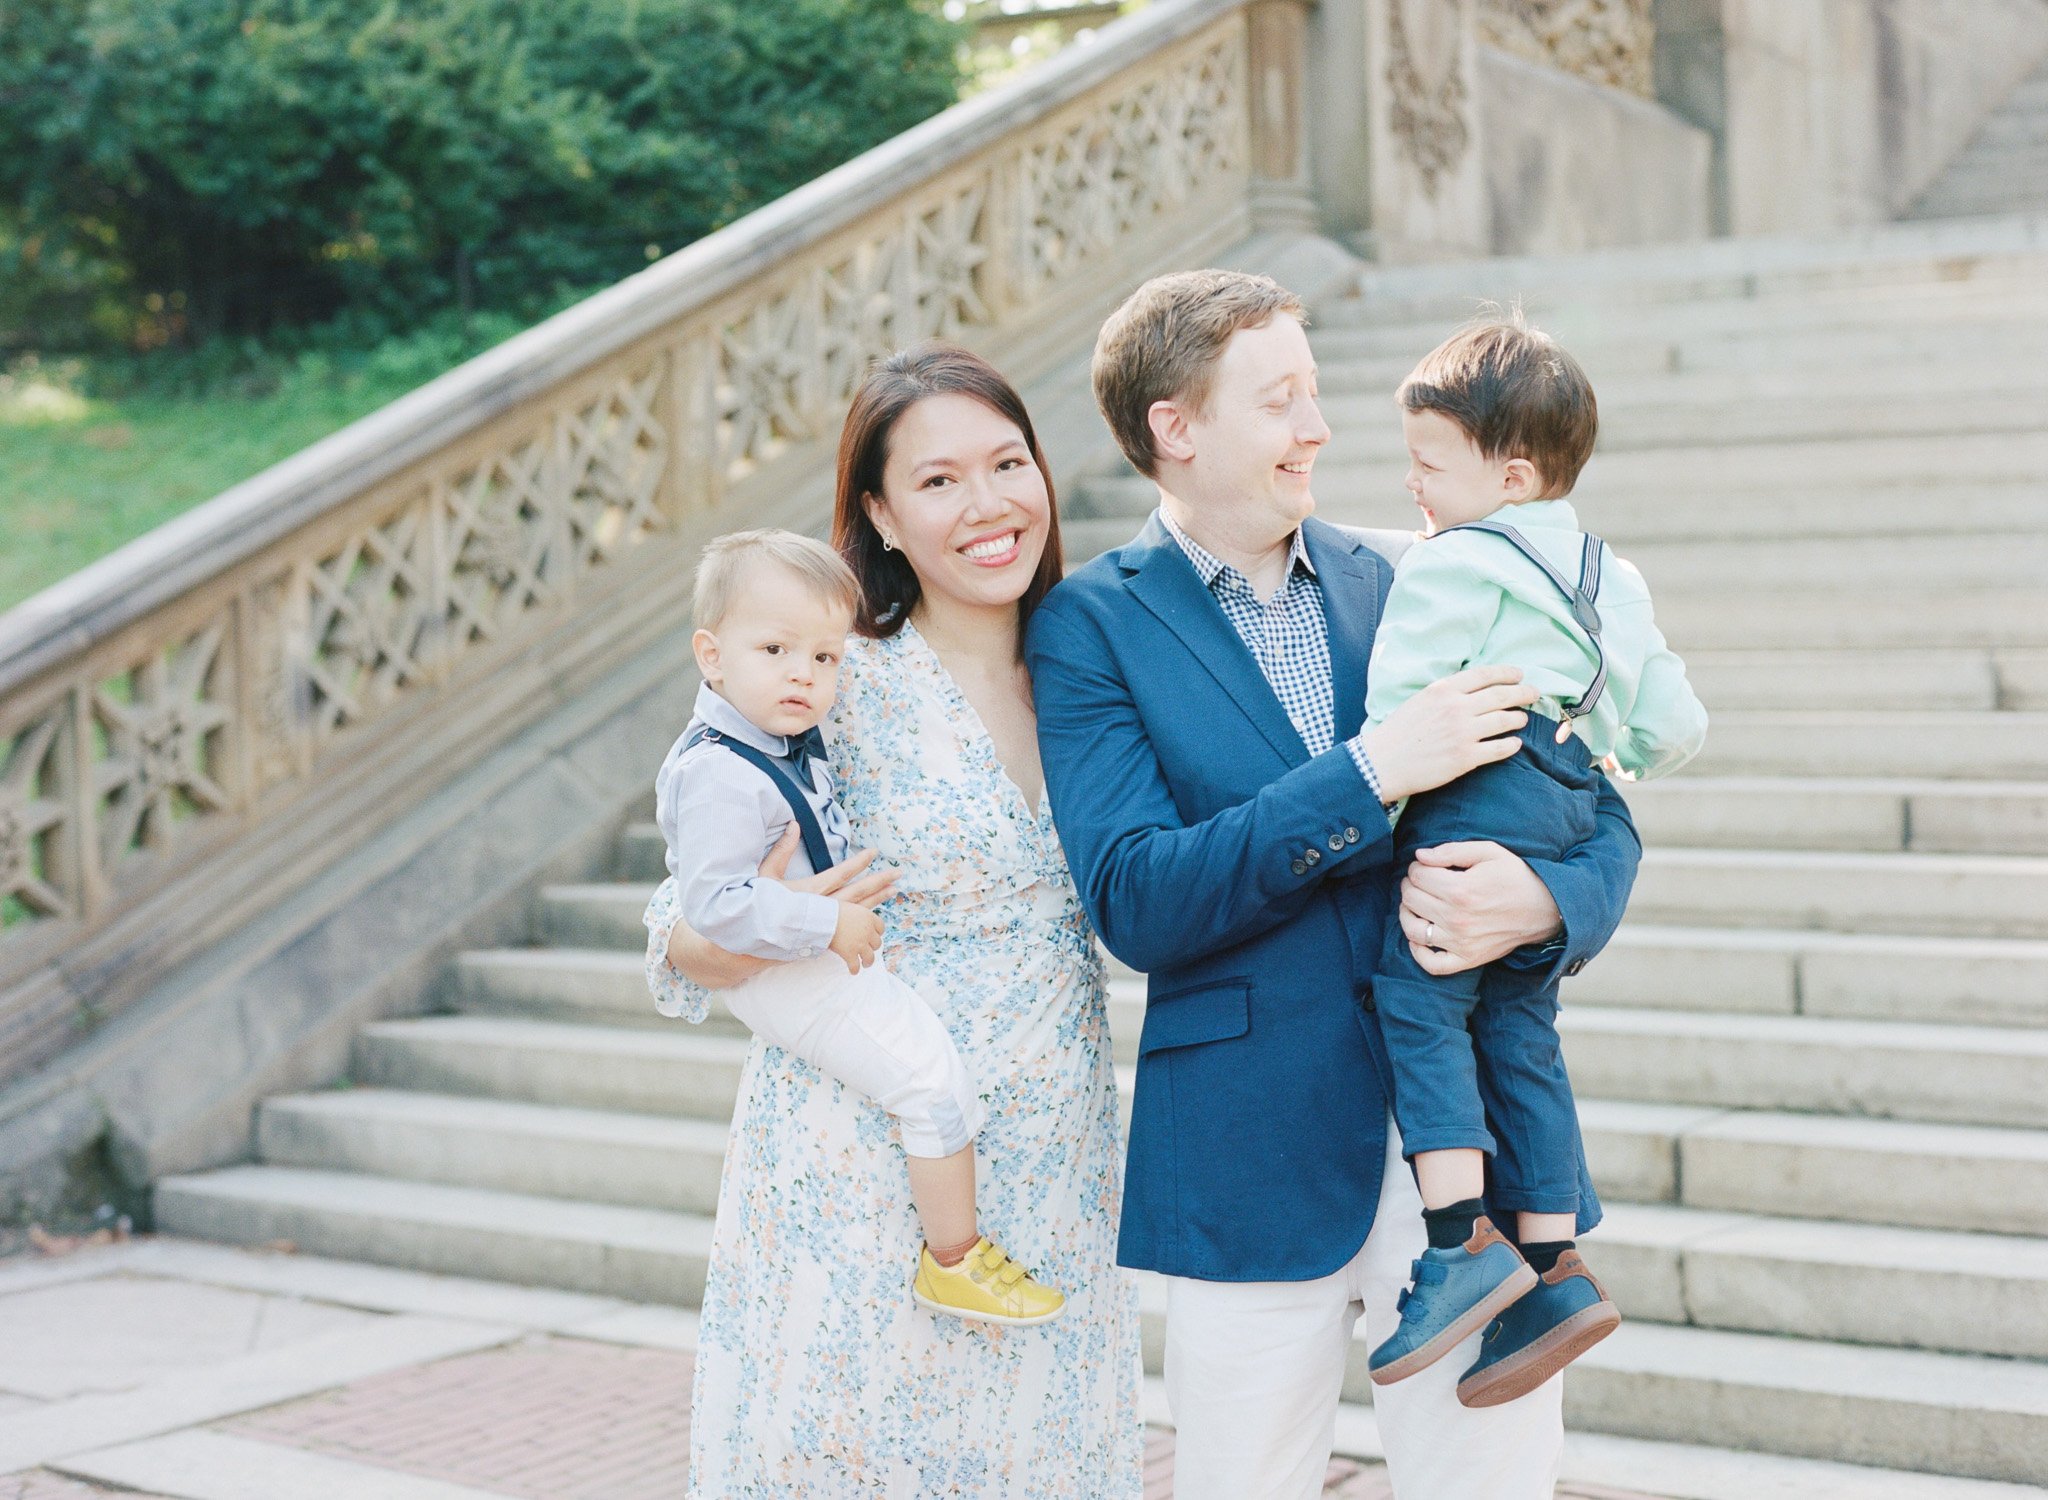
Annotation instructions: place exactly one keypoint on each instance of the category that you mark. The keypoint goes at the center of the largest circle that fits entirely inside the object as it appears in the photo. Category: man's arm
(1158, 890)
(1485, 903)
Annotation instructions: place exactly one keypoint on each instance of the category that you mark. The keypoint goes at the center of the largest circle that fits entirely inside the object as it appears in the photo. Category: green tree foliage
(183, 168)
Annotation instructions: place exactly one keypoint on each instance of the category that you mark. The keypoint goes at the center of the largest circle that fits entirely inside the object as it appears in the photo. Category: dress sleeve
(674, 994)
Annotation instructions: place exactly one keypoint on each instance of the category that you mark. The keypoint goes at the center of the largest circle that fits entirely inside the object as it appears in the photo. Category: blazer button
(1351, 835)
(1312, 856)
(1336, 843)
(1299, 868)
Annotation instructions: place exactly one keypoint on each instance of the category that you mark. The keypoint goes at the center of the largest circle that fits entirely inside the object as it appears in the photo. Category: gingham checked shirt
(1287, 636)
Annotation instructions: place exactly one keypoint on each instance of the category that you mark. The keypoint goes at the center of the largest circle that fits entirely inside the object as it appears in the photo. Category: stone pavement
(184, 1371)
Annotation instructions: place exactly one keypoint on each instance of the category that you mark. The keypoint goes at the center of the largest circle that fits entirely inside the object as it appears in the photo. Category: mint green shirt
(1466, 599)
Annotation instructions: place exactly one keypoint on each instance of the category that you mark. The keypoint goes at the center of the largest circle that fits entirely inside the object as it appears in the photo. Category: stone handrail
(221, 707)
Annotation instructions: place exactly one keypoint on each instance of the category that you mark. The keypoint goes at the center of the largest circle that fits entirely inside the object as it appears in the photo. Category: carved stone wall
(1602, 41)
(161, 765)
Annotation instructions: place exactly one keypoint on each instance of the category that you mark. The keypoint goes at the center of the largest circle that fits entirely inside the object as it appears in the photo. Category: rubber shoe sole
(1521, 1373)
(968, 1315)
(1520, 1282)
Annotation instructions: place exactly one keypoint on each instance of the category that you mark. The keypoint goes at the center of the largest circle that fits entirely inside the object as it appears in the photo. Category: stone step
(556, 984)
(1852, 615)
(1369, 430)
(643, 854)
(550, 1151)
(1967, 1414)
(1889, 1172)
(1945, 1413)
(1934, 1175)
(648, 1255)
(1970, 1293)
(1956, 895)
(592, 916)
(1623, 353)
(1738, 563)
(2000, 746)
(1972, 1075)
(1854, 976)
(1842, 813)
(683, 1071)
(1947, 677)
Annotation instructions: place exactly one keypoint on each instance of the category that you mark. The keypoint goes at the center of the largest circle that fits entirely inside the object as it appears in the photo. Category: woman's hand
(1467, 904)
(703, 962)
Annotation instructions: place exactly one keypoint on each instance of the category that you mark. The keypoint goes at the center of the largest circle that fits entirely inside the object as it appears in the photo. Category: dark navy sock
(1543, 1254)
(1451, 1225)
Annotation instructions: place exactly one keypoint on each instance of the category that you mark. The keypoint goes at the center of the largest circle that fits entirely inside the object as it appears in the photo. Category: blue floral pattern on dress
(817, 1375)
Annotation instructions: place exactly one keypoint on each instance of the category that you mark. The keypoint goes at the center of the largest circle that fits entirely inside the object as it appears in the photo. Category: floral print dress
(817, 1375)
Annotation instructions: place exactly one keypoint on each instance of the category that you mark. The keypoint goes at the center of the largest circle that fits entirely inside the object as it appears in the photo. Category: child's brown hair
(1515, 394)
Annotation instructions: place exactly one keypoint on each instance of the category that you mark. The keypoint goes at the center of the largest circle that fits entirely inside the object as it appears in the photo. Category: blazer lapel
(1351, 611)
(1166, 584)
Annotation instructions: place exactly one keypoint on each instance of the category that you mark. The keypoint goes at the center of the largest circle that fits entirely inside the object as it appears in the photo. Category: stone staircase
(1814, 1062)
(2004, 168)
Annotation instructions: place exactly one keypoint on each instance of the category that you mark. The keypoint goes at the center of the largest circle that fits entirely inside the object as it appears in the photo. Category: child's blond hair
(723, 568)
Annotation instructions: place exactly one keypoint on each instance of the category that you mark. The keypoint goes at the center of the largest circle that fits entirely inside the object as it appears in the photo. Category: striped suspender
(1582, 596)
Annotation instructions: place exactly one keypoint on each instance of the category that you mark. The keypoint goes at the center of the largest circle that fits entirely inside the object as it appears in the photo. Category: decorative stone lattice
(1603, 41)
(160, 732)
(305, 652)
(1426, 111)
(37, 821)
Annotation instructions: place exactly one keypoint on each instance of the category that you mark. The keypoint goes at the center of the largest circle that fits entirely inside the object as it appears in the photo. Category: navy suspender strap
(815, 847)
(1582, 595)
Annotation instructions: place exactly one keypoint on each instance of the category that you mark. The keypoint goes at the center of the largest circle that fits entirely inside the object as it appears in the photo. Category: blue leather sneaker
(1567, 1314)
(1456, 1292)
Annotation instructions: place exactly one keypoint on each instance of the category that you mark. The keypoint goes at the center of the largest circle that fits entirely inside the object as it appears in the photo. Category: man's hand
(859, 936)
(1448, 728)
(1483, 902)
(703, 962)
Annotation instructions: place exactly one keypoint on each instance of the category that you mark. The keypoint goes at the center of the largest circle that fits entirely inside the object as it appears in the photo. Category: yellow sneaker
(986, 1286)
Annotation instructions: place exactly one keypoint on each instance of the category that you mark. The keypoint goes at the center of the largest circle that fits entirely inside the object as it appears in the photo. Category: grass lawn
(92, 457)
(79, 476)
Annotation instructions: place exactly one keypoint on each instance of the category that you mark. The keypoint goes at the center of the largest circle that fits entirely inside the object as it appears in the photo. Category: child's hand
(858, 937)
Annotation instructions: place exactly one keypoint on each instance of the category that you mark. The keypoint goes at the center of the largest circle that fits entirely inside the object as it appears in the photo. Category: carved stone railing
(1602, 41)
(214, 712)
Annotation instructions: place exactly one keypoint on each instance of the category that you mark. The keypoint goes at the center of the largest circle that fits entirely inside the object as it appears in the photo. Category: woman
(817, 1375)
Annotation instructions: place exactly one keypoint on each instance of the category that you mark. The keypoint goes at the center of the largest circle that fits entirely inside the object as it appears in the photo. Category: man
(1199, 696)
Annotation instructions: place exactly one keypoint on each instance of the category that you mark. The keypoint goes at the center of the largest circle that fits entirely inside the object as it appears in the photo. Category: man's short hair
(1515, 394)
(1164, 342)
(722, 571)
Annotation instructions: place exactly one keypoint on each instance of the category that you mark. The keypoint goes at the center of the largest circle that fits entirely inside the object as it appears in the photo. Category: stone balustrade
(215, 711)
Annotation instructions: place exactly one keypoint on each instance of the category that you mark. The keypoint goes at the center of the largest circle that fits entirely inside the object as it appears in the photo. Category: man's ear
(1170, 435)
(705, 645)
(1520, 481)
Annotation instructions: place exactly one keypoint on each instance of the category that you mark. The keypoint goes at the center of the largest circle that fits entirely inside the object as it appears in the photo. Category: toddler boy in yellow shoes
(773, 612)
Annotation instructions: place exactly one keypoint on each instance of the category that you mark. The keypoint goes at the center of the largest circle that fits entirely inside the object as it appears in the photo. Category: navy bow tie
(803, 749)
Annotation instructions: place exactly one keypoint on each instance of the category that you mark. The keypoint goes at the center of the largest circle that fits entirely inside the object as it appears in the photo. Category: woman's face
(964, 502)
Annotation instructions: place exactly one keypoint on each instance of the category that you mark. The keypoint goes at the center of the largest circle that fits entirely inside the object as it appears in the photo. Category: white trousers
(876, 1035)
(1254, 1371)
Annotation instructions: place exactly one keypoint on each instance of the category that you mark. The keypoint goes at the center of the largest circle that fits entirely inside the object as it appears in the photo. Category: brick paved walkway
(566, 1419)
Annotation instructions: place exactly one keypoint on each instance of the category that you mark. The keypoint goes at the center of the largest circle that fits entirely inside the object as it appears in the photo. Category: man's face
(1257, 439)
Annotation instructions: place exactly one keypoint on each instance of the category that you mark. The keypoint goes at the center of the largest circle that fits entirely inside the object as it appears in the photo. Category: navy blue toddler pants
(1466, 1047)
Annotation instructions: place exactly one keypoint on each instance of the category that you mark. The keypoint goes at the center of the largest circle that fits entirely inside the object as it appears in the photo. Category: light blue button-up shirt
(719, 816)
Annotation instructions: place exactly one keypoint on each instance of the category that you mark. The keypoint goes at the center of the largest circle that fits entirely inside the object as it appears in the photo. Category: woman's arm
(704, 963)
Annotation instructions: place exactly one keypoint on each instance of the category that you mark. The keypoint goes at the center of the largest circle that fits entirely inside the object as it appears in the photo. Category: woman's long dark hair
(889, 588)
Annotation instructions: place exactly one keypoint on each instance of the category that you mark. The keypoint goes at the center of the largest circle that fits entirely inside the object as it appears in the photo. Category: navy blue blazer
(1189, 809)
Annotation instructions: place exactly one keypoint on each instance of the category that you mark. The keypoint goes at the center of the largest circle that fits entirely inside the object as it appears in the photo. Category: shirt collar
(1538, 513)
(1209, 567)
(716, 713)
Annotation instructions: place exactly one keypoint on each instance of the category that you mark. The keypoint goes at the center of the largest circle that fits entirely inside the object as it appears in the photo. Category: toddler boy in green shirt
(1499, 421)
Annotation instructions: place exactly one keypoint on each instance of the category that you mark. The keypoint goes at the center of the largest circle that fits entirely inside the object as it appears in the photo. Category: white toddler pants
(1254, 1371)
(873, 1033)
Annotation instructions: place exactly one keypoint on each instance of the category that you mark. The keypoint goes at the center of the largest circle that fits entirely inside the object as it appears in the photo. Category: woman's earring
(887, 545)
